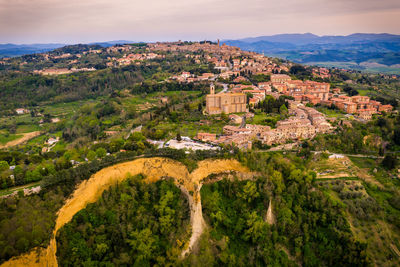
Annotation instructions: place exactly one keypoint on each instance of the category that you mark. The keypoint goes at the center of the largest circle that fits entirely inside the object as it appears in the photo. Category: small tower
(212, 89)
(218, 43)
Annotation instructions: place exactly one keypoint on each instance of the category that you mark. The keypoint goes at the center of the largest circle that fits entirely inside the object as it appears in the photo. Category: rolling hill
(369, 52)
(12, 50)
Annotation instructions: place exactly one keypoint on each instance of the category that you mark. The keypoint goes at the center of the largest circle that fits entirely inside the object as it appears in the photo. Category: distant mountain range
(12, 50)
(371, 52)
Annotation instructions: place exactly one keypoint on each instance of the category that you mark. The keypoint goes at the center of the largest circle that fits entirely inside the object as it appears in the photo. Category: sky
(84, 21)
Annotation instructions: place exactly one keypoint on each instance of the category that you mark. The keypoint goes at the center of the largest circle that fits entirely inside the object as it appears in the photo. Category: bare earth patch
(270, 217)
(23, 139)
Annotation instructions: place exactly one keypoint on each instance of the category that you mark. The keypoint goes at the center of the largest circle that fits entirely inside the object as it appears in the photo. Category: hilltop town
(236, 65)
(248, 80)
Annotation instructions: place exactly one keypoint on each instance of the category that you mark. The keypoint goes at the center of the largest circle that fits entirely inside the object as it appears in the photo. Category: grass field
(189, 128)
(37, 140)
(28, 128)
(265, 119)
(334, 113)
(66, 109)
(333, 168)
(25, 119)
(367, 163)
(363, 92)
(5, 138)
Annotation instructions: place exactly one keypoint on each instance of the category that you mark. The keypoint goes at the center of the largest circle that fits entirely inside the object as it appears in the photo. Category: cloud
(94, 20)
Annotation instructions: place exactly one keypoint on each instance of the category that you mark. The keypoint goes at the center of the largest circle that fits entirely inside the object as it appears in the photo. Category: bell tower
(212, 89)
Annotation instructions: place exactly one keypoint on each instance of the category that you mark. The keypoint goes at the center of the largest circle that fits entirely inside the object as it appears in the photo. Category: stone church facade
(225, 102)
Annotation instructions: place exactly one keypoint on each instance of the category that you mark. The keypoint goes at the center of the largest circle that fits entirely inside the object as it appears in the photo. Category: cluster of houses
(362, 106)
(51, 142)
(310, 91)
(189, 77)
(128, 59)
(304, 123)
(232, 62)
(21, 111)
(60, 71)
(229, 59)
(321, 73)
(320, 93)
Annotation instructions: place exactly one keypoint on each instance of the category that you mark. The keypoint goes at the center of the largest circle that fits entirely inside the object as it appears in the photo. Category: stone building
(280, 78)
(206, 137)
(288, 132)
(225, 102)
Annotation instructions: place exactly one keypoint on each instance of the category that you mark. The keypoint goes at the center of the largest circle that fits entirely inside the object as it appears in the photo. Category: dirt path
(196, 220)
(154, 169)
(9, 191)
(23, 139)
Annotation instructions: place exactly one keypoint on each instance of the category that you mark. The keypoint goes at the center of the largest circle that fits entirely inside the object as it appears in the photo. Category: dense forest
(374, 137)
(27, 222)
(309, 226)
(132, 224)
(24, 88)
(35, 230)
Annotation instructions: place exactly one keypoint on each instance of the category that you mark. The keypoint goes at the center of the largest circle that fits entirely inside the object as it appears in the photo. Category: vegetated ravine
(153, 169)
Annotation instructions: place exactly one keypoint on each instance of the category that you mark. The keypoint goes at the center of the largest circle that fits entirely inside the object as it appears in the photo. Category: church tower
(212, 89)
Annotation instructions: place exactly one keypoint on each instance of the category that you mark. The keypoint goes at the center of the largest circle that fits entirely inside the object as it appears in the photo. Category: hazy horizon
(86, 21)
(157, 40)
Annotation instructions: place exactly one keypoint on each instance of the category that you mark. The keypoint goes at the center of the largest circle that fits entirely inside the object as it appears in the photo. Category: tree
(12, 128)
(178, 137)
(389, 162)
(4, 165)
(101, 152)
(396, 136)
(277, 179)
(143, 243)
(166, 213)
(33, 176)
(47, 118)
(283, 110)
(248, 97)
(381, 122)
(159, 134)
(249, 192)
(255, 227)
(350, 91)
(186, 106)
(91, 155)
